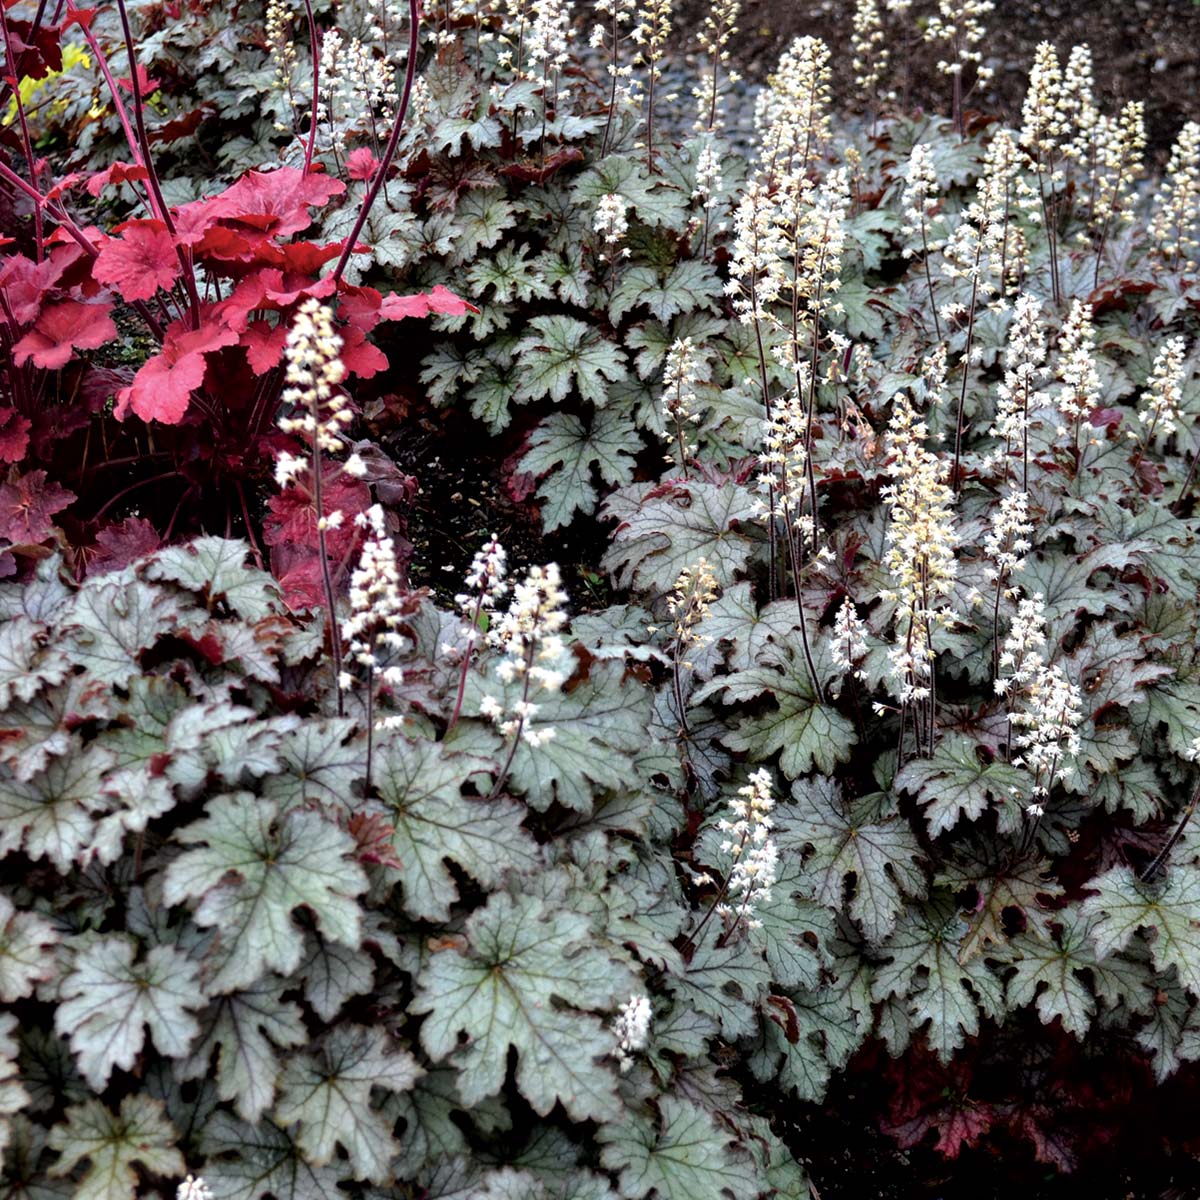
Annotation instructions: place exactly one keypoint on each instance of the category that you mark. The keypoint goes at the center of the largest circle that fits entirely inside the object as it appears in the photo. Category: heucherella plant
(1160, 412)
(317, 410)
(866, 762)
(958, 26)
(528, 634)
(718, 29)
(922, 562)
(1175, 225)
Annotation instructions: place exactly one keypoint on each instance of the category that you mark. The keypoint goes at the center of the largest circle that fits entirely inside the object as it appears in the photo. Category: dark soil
(1143, 50)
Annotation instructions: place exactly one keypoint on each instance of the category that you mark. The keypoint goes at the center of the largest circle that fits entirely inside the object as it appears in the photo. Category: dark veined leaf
(252, 867)
(1170, 908)
(957, 783)
(680, 1154)
(944, 996)
(559, 351)
(858, 861)
(421, 787)
(253, 1162)
(215, 569)
(27, 943)
(248, 1030)
(498, 990)
(112, 1143)
(667, 527)
(804, 732)
(329, 1095)
(108, 1001)
(562, 452)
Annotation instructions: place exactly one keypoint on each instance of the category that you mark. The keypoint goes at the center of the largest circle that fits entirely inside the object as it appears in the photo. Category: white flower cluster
(957, 24)
(611, 220)
(720, 24)
(1077, 372)
(631, 1027)
(278, 30)
(1117, 163)
(783, 460)
(753, 850)
(976, 249)
(1164, 390)
(486, 584)
(689, 604)
(357, 79)
(756, 265)
(376, 605)
(1007, 542)
(680, 375)
(709, 179)
(868, 44)
(849, 643)
(612, 28)
(791, 114)
(1024, 371)
(921, 544)
(313, 377)
(193, 1188)
(814, 227)
(528, 634)
(920, 202)
(1046, 705)
(651, 33)
(547, 40)
(1175, 226)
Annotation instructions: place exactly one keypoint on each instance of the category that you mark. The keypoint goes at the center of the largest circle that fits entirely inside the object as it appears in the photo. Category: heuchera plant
(882, 767)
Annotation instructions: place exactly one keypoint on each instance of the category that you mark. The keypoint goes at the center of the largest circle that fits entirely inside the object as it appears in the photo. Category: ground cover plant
(853, 742)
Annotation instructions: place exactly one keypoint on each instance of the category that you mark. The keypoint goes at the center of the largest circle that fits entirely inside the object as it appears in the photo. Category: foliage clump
(316, 886)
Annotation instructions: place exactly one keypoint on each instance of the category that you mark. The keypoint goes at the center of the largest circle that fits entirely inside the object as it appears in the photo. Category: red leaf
(162, 388)
(263, 343)
(82, 17)
(276, 201)
(64, 185)
(26, 284)
(360, 306)
(361, 164)
(179, 127)
(360, 357)
(140, 261)
(14, 435)
(292, 521)
(148, 86)
(119, 172)
(305, 258)
(119, 545)
(26, 506)
(62, 329)
(440, 300)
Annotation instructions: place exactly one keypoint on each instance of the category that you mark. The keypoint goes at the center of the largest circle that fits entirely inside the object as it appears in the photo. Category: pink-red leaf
(119, 545)
(119, 172)
(27, 505)
(140, 261)
(440, 300)
(361, 164)
(62, 329)
(163, 387)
